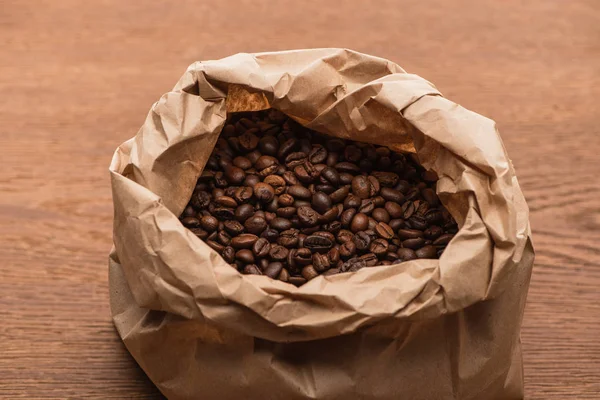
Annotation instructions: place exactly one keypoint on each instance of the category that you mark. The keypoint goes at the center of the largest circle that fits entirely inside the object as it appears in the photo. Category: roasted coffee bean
(366, 206)
(299, 192)
(242, 162)
(233, 227)
(433, 232)
(306, 172)
(370, 259)
(412, 194)
(362, 241)
(189, 212)
(284, 275)
(417, 222)
(224, 213)
(318, 243)
(201, 199)
(199, 232)
(225, 201)
(374, 186)
(251, 180)
(191, 222)
(386, 179)
(276, 182)
(353, 265)
(379, 247)
(262, 263)
(326, 234)
(255, 224)
(340, 194)
(413, 243)
(270, 234)
(378, 201)
(273, 269)
(264, 162)
(344, 236)
(281, 224)
(288, 238)
(252, 269)
(248, 141)
(269, 216)
(302, 256)
(294, 159)
(393, 195)
(372, 224)
(268, 145)
(360, 222)
(309, 272)
(384, 231)
(409, 234)
(427, 252)
(286, 200)
(327, 189)
(430, 197)
(352, 153)
(333, 255)
(320, 262)
(346, 178)
(264, 192)
(330, 176)
(243, 241)
(380, 215)
(243, 212)
(216, 246)
(278, 253)
(321, 202)
(329, 216)
(352, 201)
(213, 236)
(228, 254)
(396, 224)
(246, 256)
(317, 155)
(406, 254)
(297, 280)
(333, 227)
(331, 271)
(361, 187)
(243, 194)
(347, 167)
(347, 216)
(234, 175)
(287, 147)
(290, 178)
(347, 249)
(261, 247)
(434, 216)
(209, 223)
(443, 240)
(286, 212)
(307, 216)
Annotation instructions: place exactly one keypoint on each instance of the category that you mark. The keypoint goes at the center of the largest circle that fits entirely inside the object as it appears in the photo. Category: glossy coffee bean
(261, 247)
(360, 222)
(243, 241)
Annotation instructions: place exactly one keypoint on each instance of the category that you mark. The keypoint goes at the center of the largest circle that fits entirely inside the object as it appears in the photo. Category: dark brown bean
(244, 241)
(252, 269)
(226, 201)
(281, 224)
(228, 254)
(361, 187)
(190, 222)
(409, 234)
(299, 192)
(278, 253)
(360, 222)
(255, 224)
(307, 216)
(264, 192)
(340, 195)
(366, 206)
(216, 246)
(273, 270)
(209, 223)
(318, 154)
(370, 259)
(381, 215)
(261, 247)
(362, 241)
(233, 227)
(427, 252)
(413, 243)
(406, 254)
(393, 195)
(245, 256)
(443, 240)
(318, 243)
(297, 280)
(320, 262)
(276, 182)
(321, 202)
(384, 231)
(243, 212)
(242, 162)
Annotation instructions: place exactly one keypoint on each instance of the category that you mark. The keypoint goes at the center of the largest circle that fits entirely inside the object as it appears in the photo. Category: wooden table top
(77, 79)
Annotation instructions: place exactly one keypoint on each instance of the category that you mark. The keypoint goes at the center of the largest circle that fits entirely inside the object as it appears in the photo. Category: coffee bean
(321, 202)
(409, 234)
(242, 194)
(360, 222)
(281, 224)
(344, 236)
(228, 254)
(433, 232)
(417, 222)
(443, 240)
(288, 238)
(244, 241)
(299, 192)
(225, 201)
(276, 182)
(287, 147)
(405, 254)
(290, 178)
(255, 224)
(362, 240)
(384, 231)
(320, 262)
(297, 280)
(361, 187)
(273, 269)
(347, 167)
(396, 224)
(374, 186)
(218, 247)
(234, 175)
(191, 222)
(413, 243)
(252, 269)
(392, 195)
(347, 216)
(386, 179)
(370, 259)
(347, 249)
(209, 223)
(294, 159)
(233, 227)
(353, 265)
(366, 206)
(245, 256)
(199, 232)
(380, 215)
(427, 252)
(251, 180)
(330, 176)
(352, 153)
(270, 234)
(317, 243)
(264, 192)
(224, 213)
(333, 227)
(242, 162)
(307, 216)
(340, 194)
(285, 200)
(379, 247)
(261, 247)
(243, 212)
(286, 212)
(278, 253)
(352, 201)
(346, 178)
(268, 145)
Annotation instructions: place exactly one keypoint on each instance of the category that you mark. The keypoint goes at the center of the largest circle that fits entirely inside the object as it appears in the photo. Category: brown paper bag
(424, 329)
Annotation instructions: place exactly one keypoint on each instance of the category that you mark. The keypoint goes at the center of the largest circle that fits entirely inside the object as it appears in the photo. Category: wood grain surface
(77, 79)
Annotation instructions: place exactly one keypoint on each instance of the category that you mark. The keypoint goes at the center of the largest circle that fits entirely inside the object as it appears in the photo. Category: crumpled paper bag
(424, 329)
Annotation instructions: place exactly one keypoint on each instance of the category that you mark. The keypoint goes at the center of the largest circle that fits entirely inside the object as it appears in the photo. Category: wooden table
(77, 79)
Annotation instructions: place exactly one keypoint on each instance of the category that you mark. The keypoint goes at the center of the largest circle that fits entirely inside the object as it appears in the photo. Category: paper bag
(423, 329)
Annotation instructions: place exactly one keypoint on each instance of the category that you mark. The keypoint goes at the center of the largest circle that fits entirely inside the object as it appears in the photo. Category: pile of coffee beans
(280, 200)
